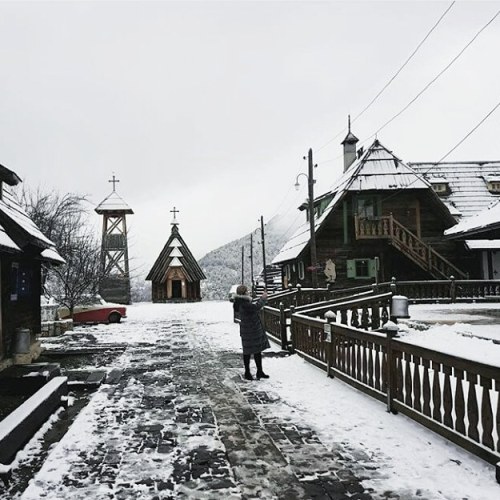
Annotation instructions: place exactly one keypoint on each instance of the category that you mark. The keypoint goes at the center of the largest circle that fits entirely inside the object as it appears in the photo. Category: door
(176, 289)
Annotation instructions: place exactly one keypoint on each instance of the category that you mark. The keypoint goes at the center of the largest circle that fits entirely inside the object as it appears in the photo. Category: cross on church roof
(114, 181)
(175, 212)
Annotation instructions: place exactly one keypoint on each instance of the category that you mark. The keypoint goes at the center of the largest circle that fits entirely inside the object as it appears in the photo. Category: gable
(175, 255)
(377, 170)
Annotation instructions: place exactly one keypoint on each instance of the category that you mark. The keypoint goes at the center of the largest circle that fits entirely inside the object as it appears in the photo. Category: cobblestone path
(180, 422)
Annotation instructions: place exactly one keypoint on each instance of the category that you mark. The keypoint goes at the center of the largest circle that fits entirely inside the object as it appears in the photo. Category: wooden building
(380, 219)
(23, 249)
(471, 191)
(176, 275)
(115, 287)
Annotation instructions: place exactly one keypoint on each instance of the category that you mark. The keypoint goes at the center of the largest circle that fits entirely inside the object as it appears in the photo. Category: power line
(448, 66)
(394, 76)
(420, 175)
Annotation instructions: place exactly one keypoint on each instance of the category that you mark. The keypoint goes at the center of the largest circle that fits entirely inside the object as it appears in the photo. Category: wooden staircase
(400, 237)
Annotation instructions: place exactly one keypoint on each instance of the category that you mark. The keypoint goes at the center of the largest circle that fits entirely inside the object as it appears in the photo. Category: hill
(222, 266)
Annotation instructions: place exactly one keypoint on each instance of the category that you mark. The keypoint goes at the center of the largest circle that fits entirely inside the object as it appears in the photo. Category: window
(301, 270)
(368, 206)
(361, 268)
(287, 272)
(494, 186)
(440, 188)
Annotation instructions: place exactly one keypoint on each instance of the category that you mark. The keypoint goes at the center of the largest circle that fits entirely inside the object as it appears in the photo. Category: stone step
(18, 427)
(27, 379)
(85, 379)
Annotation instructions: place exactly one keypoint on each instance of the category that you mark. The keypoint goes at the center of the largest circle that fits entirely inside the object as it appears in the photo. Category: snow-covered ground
(407, 458)
(412, 457)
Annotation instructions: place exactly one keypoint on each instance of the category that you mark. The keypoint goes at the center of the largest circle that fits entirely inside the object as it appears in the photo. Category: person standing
(253, 337)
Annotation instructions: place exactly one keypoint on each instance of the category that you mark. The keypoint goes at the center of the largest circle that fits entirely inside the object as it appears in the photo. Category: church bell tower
(115, 286)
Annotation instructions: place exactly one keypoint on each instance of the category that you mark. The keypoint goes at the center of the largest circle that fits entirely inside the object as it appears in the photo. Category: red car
(95, 311)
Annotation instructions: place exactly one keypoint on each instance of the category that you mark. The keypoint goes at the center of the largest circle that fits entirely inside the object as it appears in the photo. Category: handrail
(419, 251)
(453, 396)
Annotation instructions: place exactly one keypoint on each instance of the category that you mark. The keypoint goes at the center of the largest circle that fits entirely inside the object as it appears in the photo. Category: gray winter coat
(253, 336)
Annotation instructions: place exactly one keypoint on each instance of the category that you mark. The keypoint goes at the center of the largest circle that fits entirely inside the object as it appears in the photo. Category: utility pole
(262, 236)
(242, 265)
(251, 263)
(310, 182)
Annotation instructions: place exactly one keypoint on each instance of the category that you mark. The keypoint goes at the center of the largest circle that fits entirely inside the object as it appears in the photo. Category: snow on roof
(113, 203)
(6, 241)
(10, 207)
(51, 255)
(468, 188)
(489, 218)
(378, 169)
(483, 244)
(452, 209)
(438, 180)
(175, 262)
(175, 252)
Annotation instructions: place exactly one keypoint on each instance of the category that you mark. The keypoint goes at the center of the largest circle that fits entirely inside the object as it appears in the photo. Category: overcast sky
(211, 106)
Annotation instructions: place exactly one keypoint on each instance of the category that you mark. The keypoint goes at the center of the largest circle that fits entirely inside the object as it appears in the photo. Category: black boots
(258, 362)
(246, 362)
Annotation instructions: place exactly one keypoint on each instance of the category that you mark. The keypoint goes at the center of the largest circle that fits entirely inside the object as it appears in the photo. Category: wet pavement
(178, 421)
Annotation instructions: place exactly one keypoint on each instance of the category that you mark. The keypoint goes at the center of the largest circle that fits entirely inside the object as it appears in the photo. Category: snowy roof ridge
(113, 203)
(378, 168)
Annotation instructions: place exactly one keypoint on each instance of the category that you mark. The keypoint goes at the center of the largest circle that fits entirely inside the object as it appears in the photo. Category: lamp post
(310, 183)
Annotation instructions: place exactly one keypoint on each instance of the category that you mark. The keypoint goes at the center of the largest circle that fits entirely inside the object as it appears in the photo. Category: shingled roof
(377, 169)
(468, 190)
(169, 257)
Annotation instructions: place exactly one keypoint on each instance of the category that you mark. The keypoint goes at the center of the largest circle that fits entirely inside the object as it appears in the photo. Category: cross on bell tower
(115, 286)
(114, 181)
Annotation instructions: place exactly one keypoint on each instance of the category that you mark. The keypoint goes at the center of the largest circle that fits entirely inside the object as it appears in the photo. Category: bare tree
(78, 280)
(64, 220)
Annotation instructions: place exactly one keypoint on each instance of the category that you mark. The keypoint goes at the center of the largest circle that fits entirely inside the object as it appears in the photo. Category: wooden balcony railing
(387, 227)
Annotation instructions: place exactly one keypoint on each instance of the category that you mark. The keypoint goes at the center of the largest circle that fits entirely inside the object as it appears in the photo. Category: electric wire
(448, 66)
(424, 89)
(409, 58)
(421, 175)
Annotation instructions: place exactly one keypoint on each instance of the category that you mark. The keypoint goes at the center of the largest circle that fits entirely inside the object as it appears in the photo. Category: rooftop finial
(174, 221)
(114, 181)
(348, 123)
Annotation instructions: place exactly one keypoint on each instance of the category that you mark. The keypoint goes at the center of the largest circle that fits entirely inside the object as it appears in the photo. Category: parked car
(95, 310)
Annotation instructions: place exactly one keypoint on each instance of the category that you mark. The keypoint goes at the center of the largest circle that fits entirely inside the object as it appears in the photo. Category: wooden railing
(449, 290)
(455, 397)
(387, 227)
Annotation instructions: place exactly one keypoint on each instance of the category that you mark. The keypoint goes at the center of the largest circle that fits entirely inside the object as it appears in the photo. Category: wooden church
(176, 275)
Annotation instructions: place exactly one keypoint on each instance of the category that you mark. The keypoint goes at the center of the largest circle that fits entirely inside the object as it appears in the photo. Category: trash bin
(22, 341)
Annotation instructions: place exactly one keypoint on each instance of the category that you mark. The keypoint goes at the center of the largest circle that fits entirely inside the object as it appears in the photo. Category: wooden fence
(430, 291)
(455, 397)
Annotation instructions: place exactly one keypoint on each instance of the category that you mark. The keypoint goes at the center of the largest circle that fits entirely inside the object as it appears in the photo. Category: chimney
(349, 144)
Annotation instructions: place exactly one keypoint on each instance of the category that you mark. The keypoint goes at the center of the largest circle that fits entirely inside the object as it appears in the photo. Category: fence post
(453, 289)
(391, 329)
(330, 317)
(292, 334)
(393, 285)
(284, 339)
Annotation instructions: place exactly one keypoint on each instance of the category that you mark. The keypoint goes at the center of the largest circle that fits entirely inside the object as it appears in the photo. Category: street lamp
(310, 183)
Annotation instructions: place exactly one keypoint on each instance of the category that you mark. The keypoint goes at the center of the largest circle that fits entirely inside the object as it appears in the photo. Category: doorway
(176, 289)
